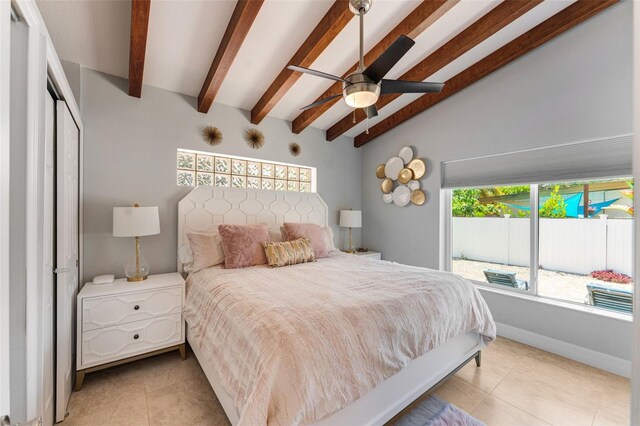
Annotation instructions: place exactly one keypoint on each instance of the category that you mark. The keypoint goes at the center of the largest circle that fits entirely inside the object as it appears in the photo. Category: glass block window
(204, 168)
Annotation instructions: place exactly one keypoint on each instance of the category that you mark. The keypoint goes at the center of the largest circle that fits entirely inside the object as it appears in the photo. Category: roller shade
(593, 159)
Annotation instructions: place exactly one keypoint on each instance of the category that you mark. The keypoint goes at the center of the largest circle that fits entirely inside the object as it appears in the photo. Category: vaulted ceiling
(236, 53)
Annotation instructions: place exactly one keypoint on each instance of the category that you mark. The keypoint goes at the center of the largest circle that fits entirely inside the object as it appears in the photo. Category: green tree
(466, 202)
(554, 206)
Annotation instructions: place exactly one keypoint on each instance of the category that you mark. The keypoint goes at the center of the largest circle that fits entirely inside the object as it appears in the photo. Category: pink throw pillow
(242, 245)
(316, 234)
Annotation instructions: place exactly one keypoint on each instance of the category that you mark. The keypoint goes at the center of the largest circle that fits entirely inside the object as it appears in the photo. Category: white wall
(130, 156)
(553, 95)
(635, 381)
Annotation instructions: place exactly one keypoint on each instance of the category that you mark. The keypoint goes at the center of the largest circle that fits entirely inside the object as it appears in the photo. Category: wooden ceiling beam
(564, 20)
(138, 44)
(492, 22)
(322, 35)
(421, 18)
(239, 25)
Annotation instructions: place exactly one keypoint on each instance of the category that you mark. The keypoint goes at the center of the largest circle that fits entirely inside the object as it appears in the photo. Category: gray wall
(73, 73)
(576, 87)
(130, 155)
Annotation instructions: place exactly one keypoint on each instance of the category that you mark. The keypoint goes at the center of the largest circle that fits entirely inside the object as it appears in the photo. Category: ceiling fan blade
(320, 102)
(316, 73)
(381, 66)
(403, 86)
(371, 111)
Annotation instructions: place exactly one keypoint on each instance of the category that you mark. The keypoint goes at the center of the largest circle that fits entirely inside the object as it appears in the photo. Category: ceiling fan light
(361, 95)
(361, 99)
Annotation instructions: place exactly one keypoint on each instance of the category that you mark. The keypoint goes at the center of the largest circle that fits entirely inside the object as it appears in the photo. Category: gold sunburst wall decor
(254, 138)
(295, 149)
(212, 135)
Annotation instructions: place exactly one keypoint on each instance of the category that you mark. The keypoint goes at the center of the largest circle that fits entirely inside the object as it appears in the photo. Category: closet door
(67, 213)
(48, 253)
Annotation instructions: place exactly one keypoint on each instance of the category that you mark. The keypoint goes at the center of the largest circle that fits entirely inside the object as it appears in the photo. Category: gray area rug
(435, 412)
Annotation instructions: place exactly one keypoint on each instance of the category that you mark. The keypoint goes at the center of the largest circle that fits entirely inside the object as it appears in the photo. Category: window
(203, 168)
(585, 238)
(579, 236)
(489, 235)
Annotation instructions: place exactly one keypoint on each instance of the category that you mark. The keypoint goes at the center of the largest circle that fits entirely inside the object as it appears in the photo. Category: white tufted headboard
(206, 207)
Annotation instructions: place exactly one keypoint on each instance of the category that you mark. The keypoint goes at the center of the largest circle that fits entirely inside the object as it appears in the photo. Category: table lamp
(350, 219)
(136, 222)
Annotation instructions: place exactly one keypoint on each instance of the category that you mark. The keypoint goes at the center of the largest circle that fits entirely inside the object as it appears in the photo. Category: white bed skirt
(387, 399)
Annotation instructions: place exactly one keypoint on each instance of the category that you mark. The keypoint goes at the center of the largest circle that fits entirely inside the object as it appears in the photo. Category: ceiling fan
(363, 88)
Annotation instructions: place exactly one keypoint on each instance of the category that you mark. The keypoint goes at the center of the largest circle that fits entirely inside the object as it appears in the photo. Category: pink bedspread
(293, 345)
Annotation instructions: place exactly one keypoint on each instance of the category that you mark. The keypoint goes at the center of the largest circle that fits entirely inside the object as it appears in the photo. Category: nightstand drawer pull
(126, 340)
(108, 311)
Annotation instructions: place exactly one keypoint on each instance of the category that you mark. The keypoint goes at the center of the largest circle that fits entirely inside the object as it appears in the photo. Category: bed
(341, 341)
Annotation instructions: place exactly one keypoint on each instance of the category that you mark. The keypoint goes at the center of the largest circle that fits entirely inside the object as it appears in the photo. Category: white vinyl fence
(577, 246)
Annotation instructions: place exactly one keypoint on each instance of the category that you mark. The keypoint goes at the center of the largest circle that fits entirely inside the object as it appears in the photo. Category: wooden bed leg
(478, 358)
(183, 352)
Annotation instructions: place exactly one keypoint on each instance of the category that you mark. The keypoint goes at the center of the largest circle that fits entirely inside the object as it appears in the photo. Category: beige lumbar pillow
(207, 250)
(289, 252)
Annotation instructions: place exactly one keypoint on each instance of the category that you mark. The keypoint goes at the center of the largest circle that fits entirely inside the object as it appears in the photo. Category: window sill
(521, 294)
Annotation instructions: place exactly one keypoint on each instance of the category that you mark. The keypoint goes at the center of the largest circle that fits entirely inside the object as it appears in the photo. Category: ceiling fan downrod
(360, 8)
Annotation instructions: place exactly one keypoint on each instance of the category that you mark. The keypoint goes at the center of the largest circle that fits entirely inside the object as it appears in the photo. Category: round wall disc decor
(386, 186)
(405, 176)
(418, 197)
(393, 167)
(406, 154)
(402, 195)
(400, 179)
(418, 167)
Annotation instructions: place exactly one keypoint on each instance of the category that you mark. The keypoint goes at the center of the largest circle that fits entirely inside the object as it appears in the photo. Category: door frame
(5, 85)
(635, 365)
(43, 63)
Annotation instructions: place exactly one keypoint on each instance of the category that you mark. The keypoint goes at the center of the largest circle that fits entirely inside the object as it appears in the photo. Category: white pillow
(206, 250)
(186, 257)
(332, 244)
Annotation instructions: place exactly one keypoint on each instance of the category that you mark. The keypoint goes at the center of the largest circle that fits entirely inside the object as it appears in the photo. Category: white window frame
(446, 256)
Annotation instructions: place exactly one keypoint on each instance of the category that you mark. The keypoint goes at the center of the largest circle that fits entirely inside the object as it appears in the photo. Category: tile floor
(516, 385)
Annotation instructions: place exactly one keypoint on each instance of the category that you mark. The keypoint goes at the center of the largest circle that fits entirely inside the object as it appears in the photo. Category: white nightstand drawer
(125, 340)
(370, 254)
(101, 312)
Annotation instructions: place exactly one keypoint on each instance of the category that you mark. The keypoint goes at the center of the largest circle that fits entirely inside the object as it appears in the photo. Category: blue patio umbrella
(573, 208)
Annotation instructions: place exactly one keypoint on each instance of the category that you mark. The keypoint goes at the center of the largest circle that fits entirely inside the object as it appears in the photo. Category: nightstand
(371, 254)
(125, 321)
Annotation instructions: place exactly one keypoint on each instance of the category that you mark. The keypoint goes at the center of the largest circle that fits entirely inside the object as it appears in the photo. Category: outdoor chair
(495, 276)
(611, 298)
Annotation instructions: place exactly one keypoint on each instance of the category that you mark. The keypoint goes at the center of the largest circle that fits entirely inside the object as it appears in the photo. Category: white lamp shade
(351, 218)
(135, 221)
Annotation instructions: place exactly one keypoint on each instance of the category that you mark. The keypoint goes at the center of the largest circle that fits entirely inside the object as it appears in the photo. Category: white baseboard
(590, 357)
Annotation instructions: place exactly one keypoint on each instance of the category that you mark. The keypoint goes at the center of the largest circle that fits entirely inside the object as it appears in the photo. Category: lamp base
(138, 269)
